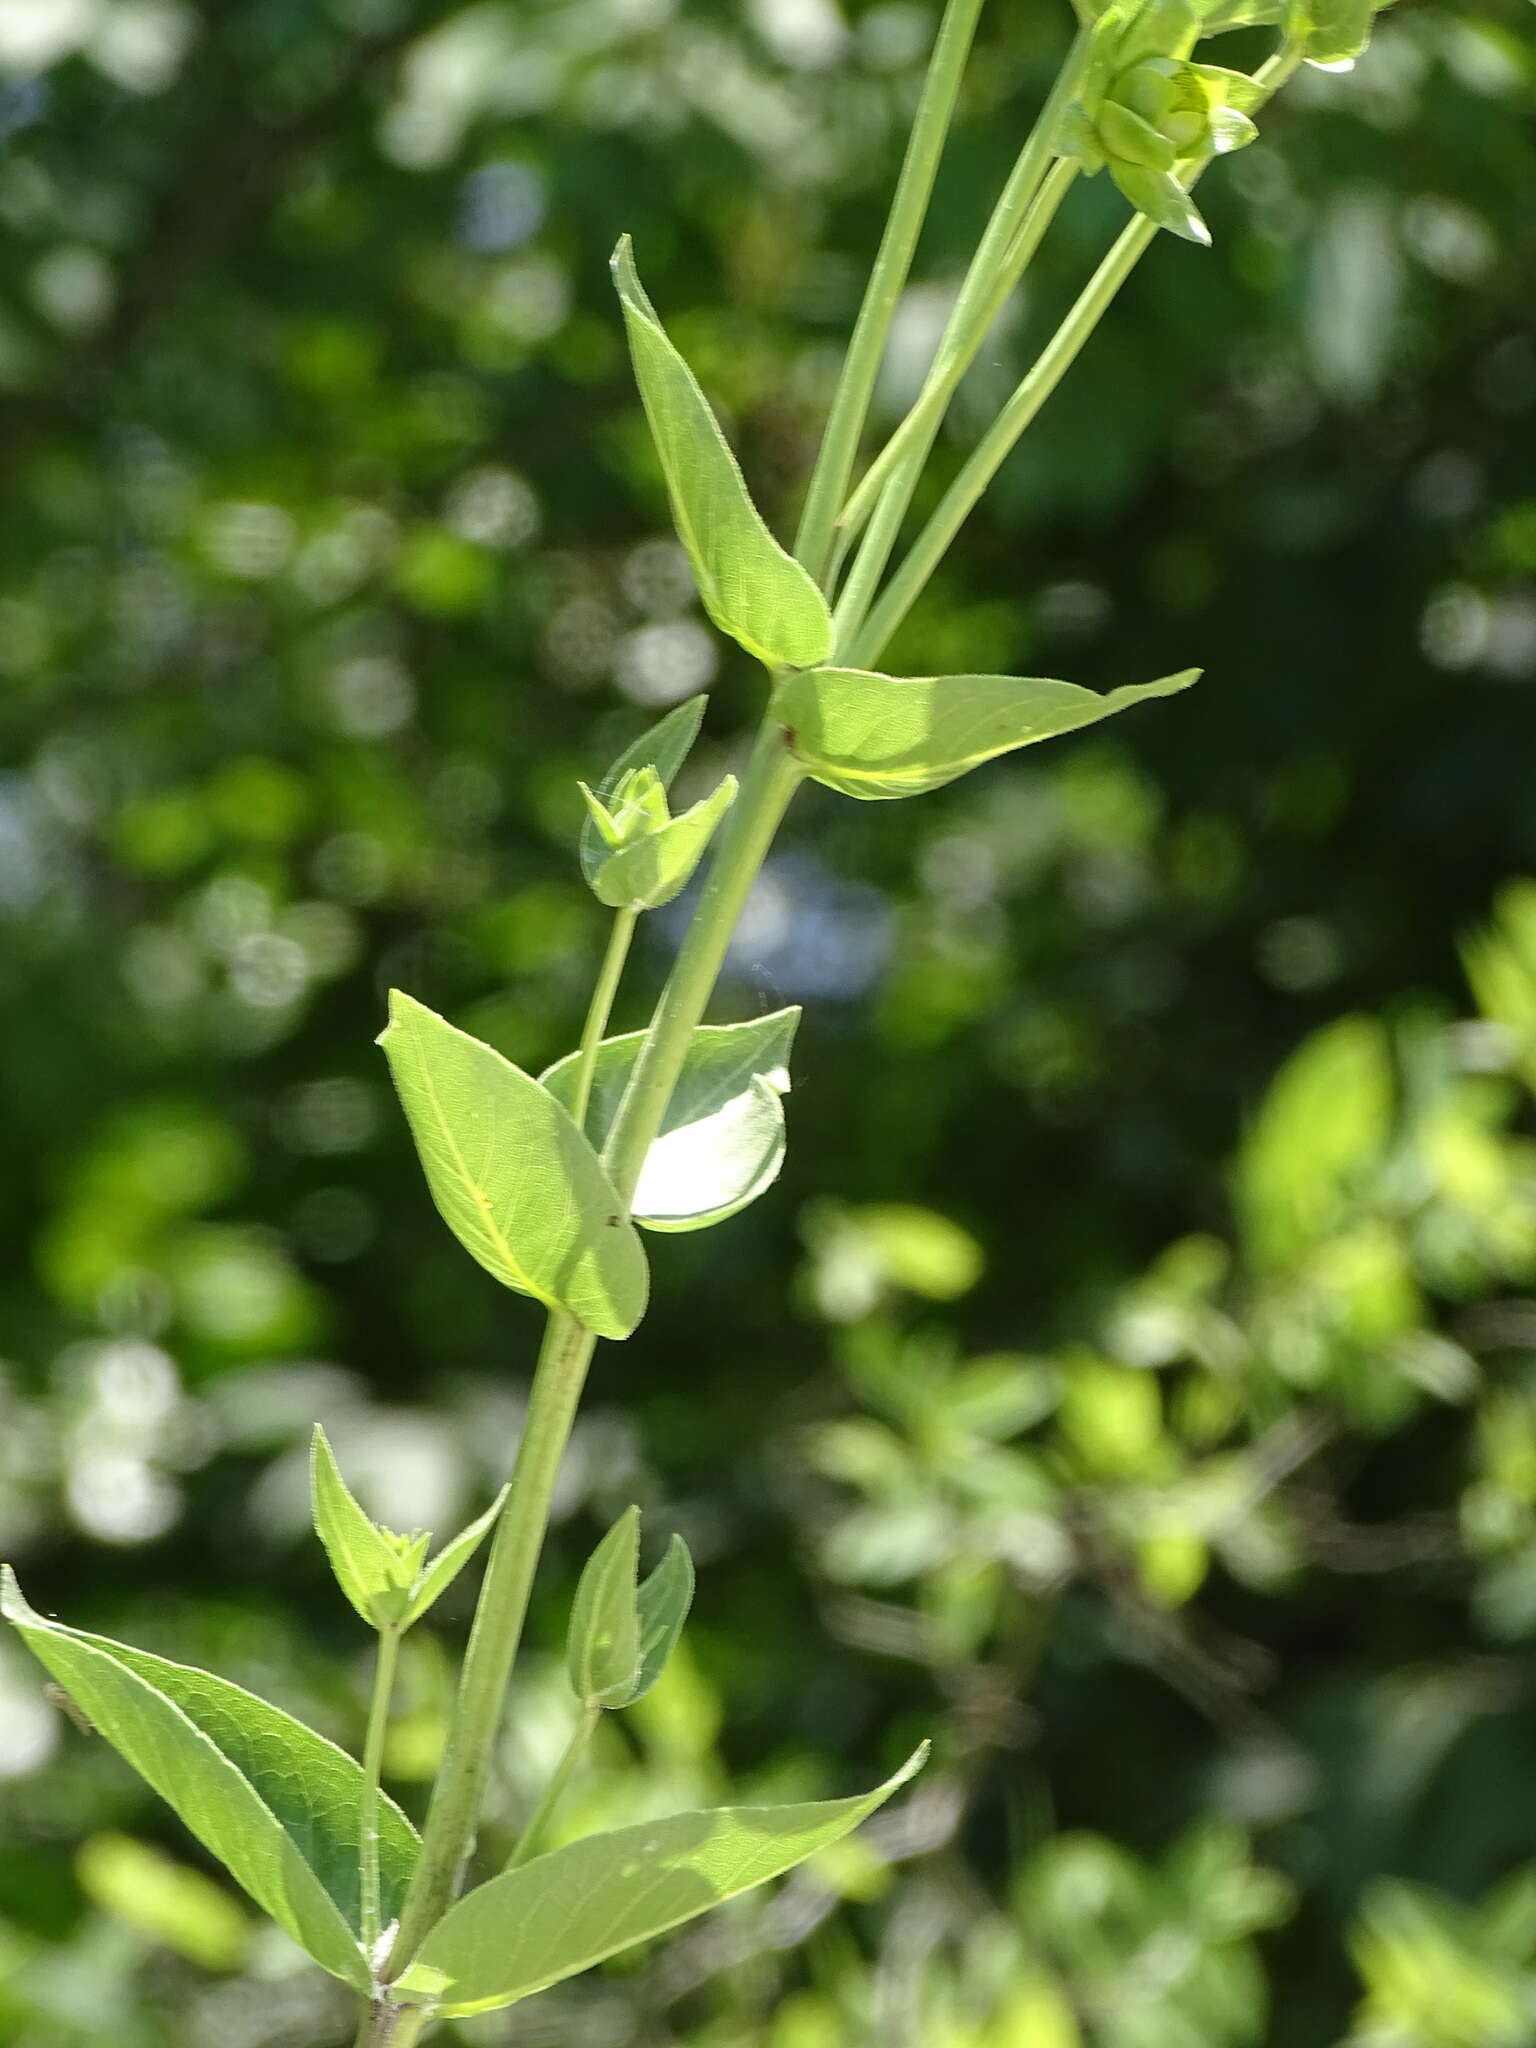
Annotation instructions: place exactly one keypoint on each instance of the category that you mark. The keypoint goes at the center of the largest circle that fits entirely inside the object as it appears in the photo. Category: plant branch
(448, 1836)
(373, 1766)
(620, 937)
(571, 1756)
(861, 365)
(867, 642)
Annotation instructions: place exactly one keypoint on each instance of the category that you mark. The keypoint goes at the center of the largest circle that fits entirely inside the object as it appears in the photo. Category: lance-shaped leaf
(563, 1912)
(879, 736)
(651, 868)
(512, 1176)
(602, 1643)
(722, 1139)
(274, 1801)
(750, 587)
(664, 747)
(385, 1576)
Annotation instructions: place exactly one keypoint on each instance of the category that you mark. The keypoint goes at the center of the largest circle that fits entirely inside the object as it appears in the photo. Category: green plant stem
(573, 1753)
(928, 415)
(373, 1767)
(620, 938)
(867, 642)
(861, 365)
(770, 781)
(1055, 359)
(449, 1833)
(990, 279)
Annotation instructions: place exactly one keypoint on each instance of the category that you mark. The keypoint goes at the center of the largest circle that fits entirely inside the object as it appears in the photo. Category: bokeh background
(1132, 1380)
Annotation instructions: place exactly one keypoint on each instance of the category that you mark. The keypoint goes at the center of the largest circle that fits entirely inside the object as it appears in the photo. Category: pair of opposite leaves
(867, 735)
(281, 1807)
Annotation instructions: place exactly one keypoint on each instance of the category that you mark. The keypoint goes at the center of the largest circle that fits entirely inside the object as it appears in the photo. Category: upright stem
(449, 1833)
(373, 1766)
(448, 1836)
(866, 643)
(927, 416)
(598, 1011)
(570, 1757)
(992, 275)
(1056, 358)
(861, 365)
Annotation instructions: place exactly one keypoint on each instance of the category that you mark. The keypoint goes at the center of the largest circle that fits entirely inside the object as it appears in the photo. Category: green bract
(1146, 110)
(662, 748)
(568, 1910)
(275, 1802)
(622, 1632)
(879, 736)
(722, 1139)
(512, 1176)
(652, 853)
(750, 587)
(386, 1577)
(1332, 33)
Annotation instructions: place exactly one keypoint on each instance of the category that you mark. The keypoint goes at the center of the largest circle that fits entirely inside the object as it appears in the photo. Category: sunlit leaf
(749, 586)
(367, 1566)
(167, 1902)
(440, 1574)
(512, 1176)
(879, 736)
(274, 1801)
(722, 1139)
(563, 1912)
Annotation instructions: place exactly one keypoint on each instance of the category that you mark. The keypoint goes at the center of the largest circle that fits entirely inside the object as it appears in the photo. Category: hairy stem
(769, 783)
(620, 938)
(861, 365)
(572, 1755)
(373, 1766)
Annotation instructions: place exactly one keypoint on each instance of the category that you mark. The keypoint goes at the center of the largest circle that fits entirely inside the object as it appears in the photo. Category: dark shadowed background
(1132, 1379)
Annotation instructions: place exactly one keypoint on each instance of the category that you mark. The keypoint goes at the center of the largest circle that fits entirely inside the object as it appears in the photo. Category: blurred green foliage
(1133, 1380)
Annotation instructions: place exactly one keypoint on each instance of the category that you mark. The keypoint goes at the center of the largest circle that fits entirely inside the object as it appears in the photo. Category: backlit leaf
(563, 1912)
(366, 1564)
(722, 1139)
(749, 586)
(879, 736)
(602, 1644)
(274, 1801)
(514, 1179)
(663, 1601)
(440, 1574)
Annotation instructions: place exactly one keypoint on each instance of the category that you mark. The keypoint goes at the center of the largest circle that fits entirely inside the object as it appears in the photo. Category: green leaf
(512, 1176)
(750, 587)
(664, 747)
(602, 1643)
(874, 736)
(276, 1803)
(663, 1602)
(450, 1561)
(1161, 197)
(650, 871)
(1332, 33)
(563, 1912)
(367, 1565)
(722, 1139)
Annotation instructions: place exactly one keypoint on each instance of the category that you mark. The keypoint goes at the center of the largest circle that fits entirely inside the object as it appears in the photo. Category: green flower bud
(636, 807)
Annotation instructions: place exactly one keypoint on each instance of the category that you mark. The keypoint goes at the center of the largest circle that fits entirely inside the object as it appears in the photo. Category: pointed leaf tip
(563, 1912)
(750, 586)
